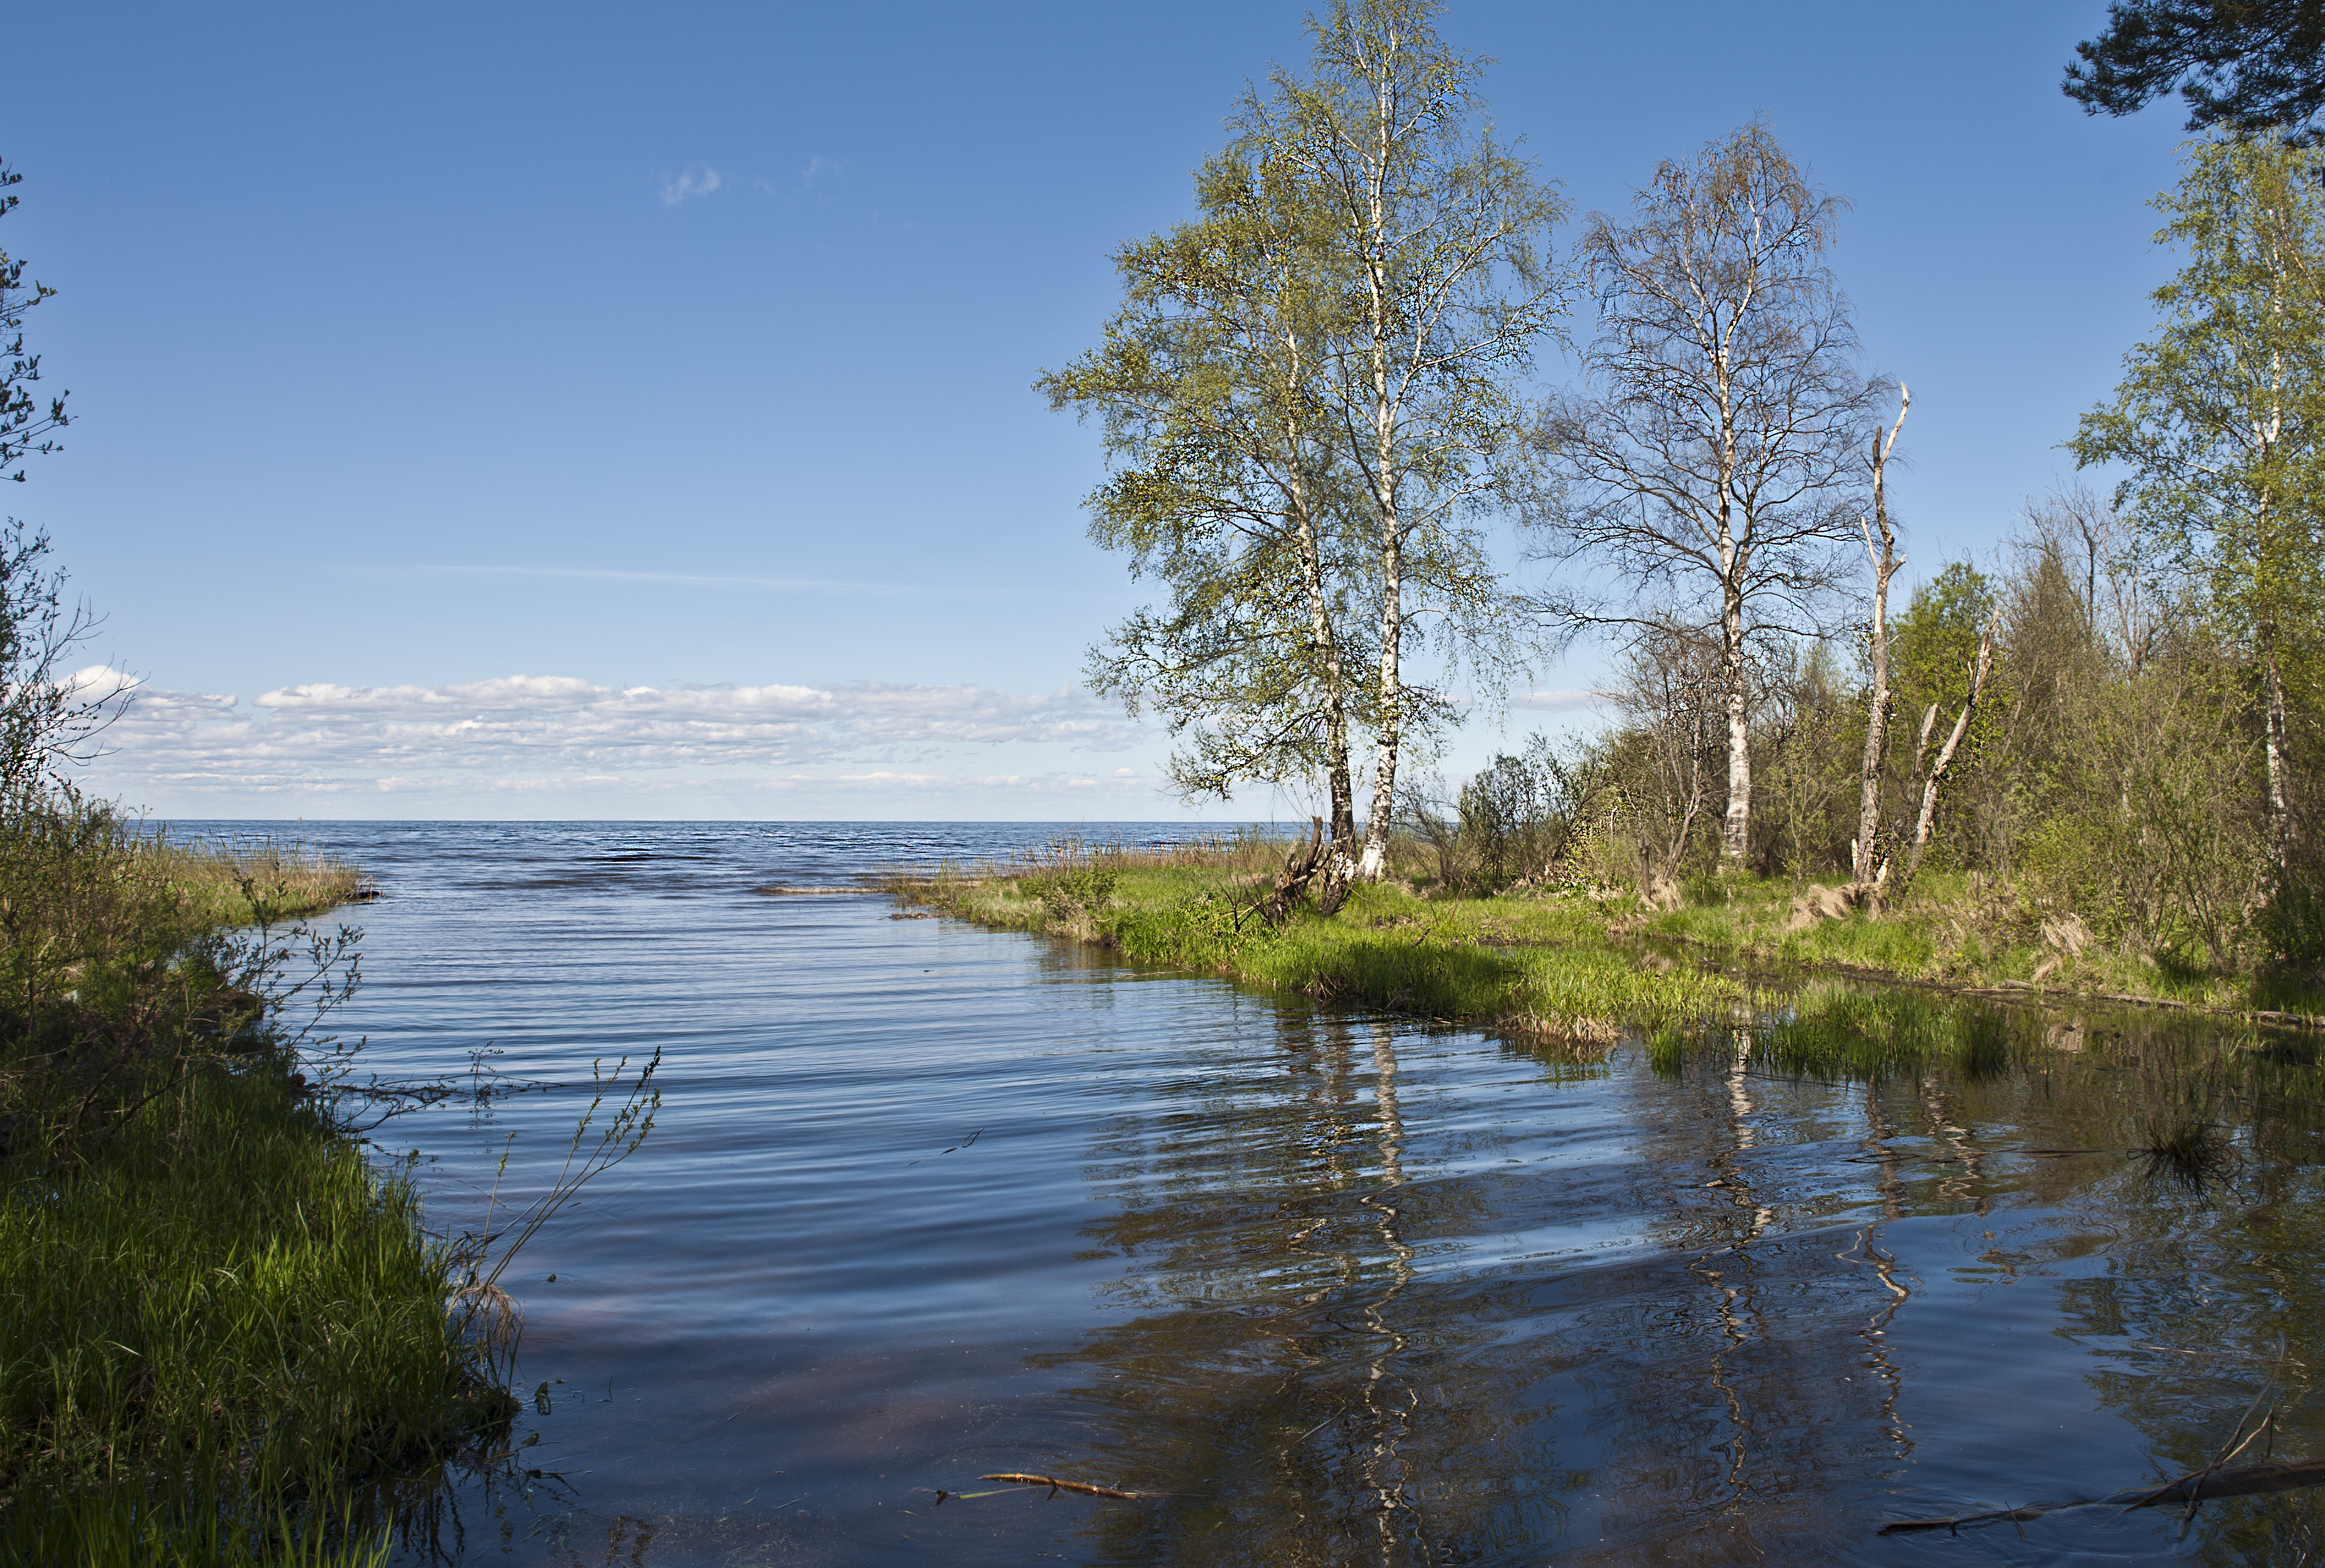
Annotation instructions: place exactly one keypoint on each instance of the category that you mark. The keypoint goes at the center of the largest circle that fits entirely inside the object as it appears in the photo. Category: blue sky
(677, 360)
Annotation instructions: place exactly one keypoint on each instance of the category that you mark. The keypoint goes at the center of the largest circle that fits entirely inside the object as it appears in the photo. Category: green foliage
(1307, 392)
(2221, 416)
(1520, 821)
(115, 991)
(1227, 487)
(26, 426)
(1933, 645)
(2253, 66)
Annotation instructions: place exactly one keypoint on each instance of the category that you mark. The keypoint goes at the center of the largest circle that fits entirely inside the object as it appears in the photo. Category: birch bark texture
(1438, 242)
(1712, 452)
(2221, 417)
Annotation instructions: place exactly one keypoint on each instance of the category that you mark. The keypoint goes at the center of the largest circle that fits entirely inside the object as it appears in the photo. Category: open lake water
(925, 1203)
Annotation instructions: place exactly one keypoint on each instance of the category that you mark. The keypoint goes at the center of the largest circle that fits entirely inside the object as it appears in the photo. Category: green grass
(1555, 964)
(214, 1326)
(1554, 970)
(224, 883)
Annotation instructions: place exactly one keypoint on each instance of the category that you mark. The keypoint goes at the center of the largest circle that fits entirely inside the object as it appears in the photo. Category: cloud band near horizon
(545, 730)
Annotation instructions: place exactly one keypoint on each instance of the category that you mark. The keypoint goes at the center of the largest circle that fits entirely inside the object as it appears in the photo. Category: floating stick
(1057, 1485)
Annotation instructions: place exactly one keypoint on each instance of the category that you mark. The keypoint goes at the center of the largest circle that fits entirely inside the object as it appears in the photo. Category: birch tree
(1712, 450)
(1437, 240)
(2221, 417)
(1210, 385)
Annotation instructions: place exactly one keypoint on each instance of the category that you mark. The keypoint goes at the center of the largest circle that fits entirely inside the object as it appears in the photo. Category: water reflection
(1336, 1356)
(1290, 1380)
(1343, 1291)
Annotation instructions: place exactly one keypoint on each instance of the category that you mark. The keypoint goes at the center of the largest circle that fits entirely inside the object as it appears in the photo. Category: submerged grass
(1830, 1029)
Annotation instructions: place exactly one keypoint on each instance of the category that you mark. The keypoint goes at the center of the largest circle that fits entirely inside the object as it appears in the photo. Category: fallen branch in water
(1057, 1485)
(2279, 1475)
(2214, 1481)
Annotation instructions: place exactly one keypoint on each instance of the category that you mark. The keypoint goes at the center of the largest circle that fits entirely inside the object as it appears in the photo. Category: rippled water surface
(926, 1203)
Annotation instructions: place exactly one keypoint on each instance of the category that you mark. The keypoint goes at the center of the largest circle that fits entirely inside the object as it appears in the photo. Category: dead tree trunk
(1928, 820)
(1865, 853)
(1300, 868)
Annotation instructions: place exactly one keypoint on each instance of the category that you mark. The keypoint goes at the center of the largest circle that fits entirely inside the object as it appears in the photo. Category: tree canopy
(2246, 66)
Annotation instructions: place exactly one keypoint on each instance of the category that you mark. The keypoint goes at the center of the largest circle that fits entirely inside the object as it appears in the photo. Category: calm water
(926, 1201)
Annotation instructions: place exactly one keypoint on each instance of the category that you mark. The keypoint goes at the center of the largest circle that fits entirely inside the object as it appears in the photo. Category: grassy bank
(1554, 963)
(1551, 970)
(216, 1330)
(1962, 931)
(236, 884)
(223, 1334)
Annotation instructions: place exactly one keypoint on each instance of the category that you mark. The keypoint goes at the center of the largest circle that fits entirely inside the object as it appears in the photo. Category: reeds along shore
(223, 1331)
(1545, 959)
(229, 883)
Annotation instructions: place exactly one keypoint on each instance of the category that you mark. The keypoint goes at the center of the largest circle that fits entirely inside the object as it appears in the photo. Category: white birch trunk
(1736, 827)
(1390, 732)
(1389, 736)
(2280, 802)
(1328, 647)
(1928, 820)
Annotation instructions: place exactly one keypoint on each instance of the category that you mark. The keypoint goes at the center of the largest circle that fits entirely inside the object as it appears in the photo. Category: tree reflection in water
(1372, 1318)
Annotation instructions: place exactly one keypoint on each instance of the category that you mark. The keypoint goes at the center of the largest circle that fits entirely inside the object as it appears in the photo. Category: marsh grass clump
(1081, 891)
(2180, 1144)
(1834, 1029)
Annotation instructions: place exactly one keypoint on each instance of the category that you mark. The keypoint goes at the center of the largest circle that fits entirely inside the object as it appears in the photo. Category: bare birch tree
(1712, 453)
(1931, 785)
(1437, 241)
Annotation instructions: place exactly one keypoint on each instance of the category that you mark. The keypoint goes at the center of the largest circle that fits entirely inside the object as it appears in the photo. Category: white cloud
(1558, 702)
(558, 733)
(678, 188)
